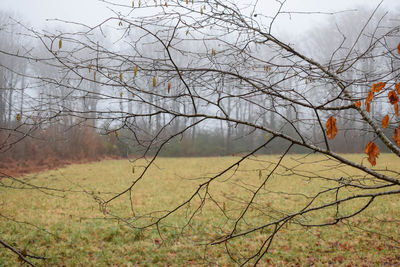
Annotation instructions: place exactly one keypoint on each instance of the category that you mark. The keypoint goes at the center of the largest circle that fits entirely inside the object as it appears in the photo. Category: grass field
(68, 227)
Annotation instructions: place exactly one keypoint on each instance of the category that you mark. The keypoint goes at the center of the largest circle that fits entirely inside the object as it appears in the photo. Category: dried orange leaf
(376, 87)
(393, 98)
(398, 49)
(18, 117)
(357, 104)
(372, 151)
(396, 109)
(331, 129)
(368, 107)
(385, 121)
(396, 135)
(169, 87)
(397, 86)
(369, 97)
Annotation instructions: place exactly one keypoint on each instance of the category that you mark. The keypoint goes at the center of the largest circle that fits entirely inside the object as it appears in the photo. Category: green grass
(79, 233)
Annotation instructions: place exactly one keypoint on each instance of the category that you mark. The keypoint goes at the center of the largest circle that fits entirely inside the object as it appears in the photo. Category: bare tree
(180, 66)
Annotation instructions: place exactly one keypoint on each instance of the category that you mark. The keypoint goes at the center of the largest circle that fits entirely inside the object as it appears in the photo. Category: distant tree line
(96, 119)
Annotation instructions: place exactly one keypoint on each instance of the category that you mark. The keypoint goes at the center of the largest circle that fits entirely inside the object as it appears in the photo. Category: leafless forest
(206, 78)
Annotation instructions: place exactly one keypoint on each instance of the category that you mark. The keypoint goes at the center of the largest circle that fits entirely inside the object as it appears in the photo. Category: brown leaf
(398, 49)
(393, 98)
(369, 97)
(396, 135)
(396, 109)
(357, 104)
(372, 151)
(397, 86)
(331, 129)
(376, 87)
(169, 87)
(368, 107)
(385, 121)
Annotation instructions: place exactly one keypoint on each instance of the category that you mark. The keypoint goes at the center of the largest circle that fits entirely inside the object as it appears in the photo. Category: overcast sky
(92, 11)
